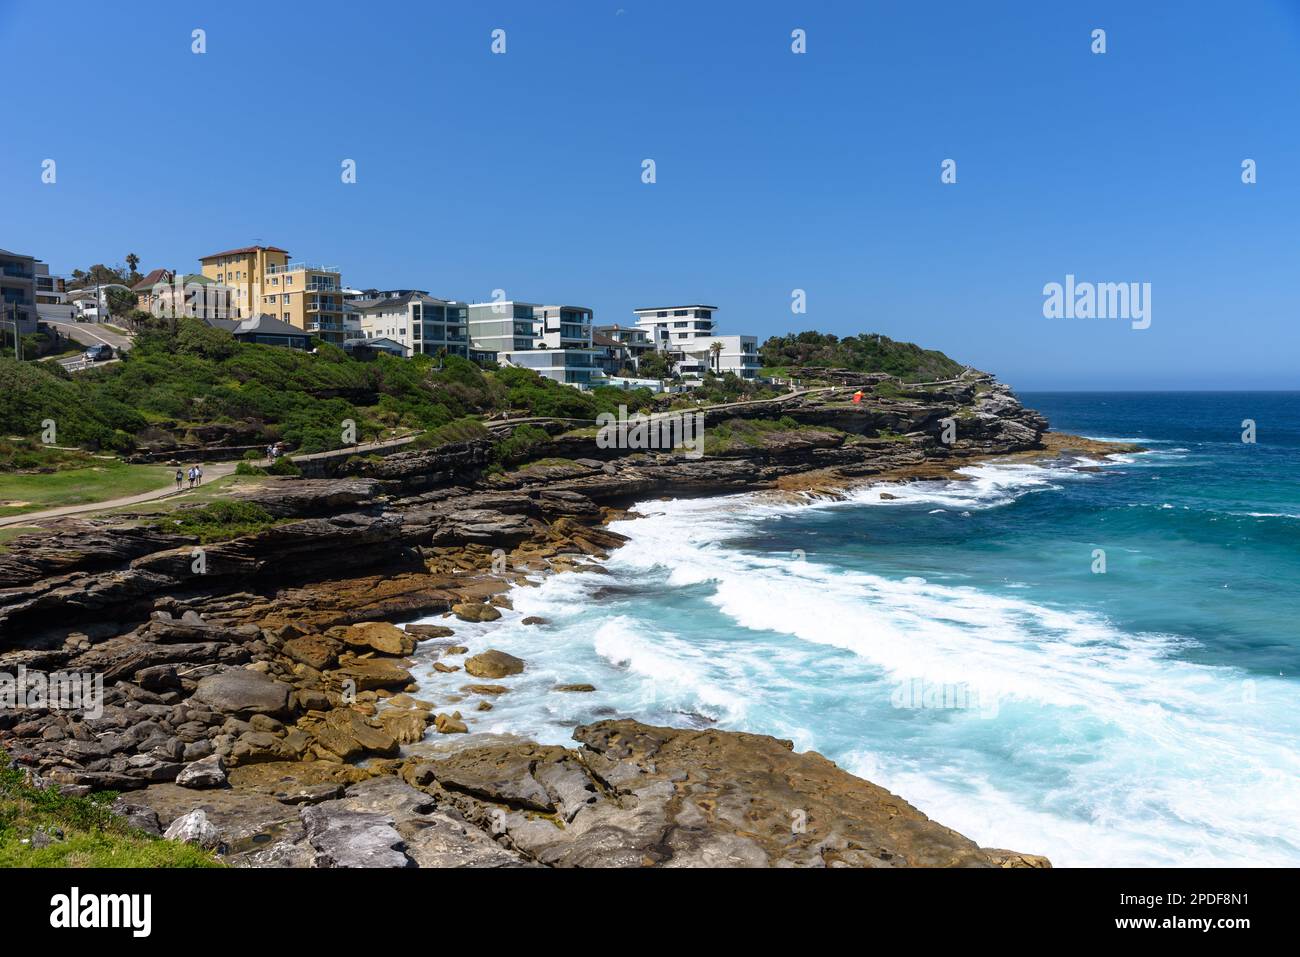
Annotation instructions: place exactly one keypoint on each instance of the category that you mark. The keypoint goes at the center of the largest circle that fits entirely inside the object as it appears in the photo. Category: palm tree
(716, 349)
(132, 263)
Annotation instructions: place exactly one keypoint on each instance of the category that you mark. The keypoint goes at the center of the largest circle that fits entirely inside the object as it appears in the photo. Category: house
(634, 341)
(51, 295)
(18, 312)
(91, 303)
(362, 348)
(688, 335)
(265, 330)
(164, 293)
(553, 341)
(417, 321)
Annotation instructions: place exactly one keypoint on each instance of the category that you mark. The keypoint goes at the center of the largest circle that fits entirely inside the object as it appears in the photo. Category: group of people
(195, 475)
(273, 452)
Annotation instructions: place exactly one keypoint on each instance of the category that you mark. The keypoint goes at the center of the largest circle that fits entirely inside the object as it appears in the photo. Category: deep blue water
(961, 645)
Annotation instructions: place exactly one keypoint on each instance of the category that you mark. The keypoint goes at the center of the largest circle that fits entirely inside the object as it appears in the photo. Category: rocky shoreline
(264, 705)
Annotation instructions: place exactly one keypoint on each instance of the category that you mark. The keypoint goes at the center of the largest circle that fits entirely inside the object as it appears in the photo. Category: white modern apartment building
(51, 295)
(553, 341)
(421, 323)
(687, 334)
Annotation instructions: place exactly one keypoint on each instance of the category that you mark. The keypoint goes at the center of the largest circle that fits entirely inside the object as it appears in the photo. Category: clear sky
(775, 171)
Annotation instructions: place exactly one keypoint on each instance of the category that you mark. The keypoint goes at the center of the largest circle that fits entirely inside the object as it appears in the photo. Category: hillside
(201, 386)
(868, 352)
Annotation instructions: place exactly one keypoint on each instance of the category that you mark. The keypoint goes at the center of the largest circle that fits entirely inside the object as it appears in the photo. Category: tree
(98, 273)
(655, 365)
(120, 301)
(133, 264)
(716, 349)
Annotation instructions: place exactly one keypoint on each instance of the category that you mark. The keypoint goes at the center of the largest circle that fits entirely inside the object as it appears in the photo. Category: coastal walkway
(211, 472)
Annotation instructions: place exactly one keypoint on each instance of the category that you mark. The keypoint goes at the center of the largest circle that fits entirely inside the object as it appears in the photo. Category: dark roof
(694, 305)
(261, 325)
(244, 249)
(602, 340)
(400, 301)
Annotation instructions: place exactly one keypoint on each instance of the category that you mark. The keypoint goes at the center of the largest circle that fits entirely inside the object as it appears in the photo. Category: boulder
(405, 725)
(314, 651)
(343, 838)
(243, 693)
(194, 828)
(450, 724)
(372, 673)
(421, 632)
(574, 688)
(484, 689)
(203, 774)
(475, 611)
(494, 664)
(381, 637)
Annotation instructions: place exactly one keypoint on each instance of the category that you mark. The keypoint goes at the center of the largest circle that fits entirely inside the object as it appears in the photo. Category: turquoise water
(960, 644)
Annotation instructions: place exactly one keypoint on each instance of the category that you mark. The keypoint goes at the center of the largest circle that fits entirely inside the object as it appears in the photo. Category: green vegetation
(218, 522)
(175, 380)
(24, 455)
(105, 479)
(733, 434)
(461, 430)
(92, 835)
(10, 532)
(730, 387)
(524, 443)
(868, 352)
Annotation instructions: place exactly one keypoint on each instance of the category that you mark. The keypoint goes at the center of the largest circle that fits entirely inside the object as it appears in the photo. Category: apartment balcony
(324, 327)
(323, 287)
(16, 272)
(300, 267)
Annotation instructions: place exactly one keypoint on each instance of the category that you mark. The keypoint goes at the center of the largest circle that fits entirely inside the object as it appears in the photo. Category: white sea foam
(1152, 759)
(1105, 747)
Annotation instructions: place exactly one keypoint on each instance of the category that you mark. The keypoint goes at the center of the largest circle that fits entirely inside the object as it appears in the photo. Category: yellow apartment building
(265, 282)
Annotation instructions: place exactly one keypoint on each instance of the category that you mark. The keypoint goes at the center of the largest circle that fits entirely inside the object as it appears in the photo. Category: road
(88, 334)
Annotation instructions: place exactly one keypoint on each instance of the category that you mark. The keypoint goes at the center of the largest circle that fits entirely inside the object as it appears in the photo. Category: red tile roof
(155, 276)
(244, 250)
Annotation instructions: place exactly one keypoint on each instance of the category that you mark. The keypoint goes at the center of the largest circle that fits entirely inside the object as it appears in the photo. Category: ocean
(1098, 661)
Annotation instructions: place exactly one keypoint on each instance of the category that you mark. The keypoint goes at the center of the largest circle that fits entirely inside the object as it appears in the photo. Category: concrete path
(211, 472)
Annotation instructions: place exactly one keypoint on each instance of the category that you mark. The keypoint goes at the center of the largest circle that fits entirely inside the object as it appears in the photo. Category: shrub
(218, 522)
(524, 443)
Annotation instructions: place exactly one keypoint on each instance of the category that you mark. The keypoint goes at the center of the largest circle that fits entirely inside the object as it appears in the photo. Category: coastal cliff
(258, 679)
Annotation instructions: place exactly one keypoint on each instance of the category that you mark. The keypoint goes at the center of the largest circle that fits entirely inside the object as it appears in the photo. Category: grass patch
(464, 429)
(10, 532)
(106, 479)
(218, 522)
(93, 836)
(544, 462)
(734, 434)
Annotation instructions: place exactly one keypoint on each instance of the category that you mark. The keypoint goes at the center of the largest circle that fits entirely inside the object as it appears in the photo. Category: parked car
(98, 353)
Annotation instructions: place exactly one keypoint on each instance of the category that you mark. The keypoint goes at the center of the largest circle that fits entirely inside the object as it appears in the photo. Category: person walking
(190, 474)
(198, 474)
(180, 477)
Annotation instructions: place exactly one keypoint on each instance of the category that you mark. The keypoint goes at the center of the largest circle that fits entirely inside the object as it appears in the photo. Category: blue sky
(775, 171)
